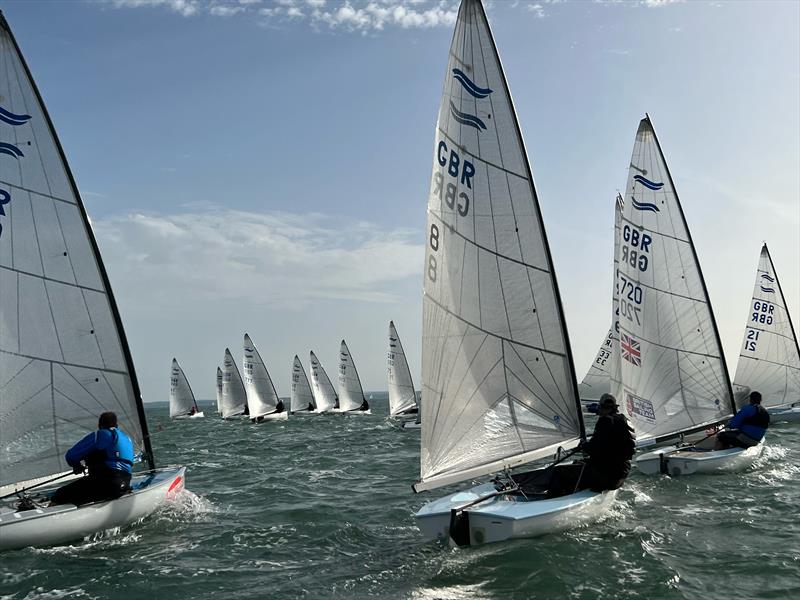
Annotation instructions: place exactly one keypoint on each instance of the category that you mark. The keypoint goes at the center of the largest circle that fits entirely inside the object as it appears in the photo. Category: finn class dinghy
(325, 396)
(670, 376)
(219, 390)
(769, 361)
(403, 401)
(351, 394)
(64, 357)
(497, 374)
(233, 394)
(302, 400)
(182, 404)
(262, 398)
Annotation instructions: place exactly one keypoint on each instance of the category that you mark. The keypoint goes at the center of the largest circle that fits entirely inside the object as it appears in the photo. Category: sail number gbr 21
(445, 187)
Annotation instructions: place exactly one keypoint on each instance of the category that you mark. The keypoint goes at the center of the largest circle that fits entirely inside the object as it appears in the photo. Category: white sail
(351, 394)
(64, 358)
(302, 397)
(324, 395)
(234, 396)
(181, 397)
(402, 397)
(219, 390)
(497, 373)
(672, 373)
(769, 361)
(262, 399)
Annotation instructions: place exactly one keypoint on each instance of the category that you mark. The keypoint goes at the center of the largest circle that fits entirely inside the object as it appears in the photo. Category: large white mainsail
(402, 396)
(219, 390)
(64, 358)
(262, 399)
(351, 394)
(324, 395)
(497, 373)
(302, 397)
(769, 361)
(234, 396)
(672, 376)
(181, 397)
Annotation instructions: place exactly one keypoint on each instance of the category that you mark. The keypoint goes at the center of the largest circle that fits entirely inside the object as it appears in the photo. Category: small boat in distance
(351, 393)
(403, 401)
(302, 400)
(234, 396)
(262, 398)
(325, 396)
(769, 361)
(182, 404)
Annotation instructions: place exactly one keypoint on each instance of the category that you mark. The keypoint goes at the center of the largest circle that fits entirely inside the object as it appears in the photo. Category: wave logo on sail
(768, 290)
(652, 185)
(469, 85)
(631, 349)
(10, 149)
(768, 278)
(644, 206)
(12, 118)
(5, 198)
(466, 119)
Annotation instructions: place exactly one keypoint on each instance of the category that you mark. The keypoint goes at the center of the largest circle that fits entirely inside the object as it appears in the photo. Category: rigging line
(533, 409)
(10, 411)
(92, 396)
(641, 338)
(711, 384)
(50, 279)
(465, 376)
(553, 407)
(28, 190)
(62, 363)
(445, 319)
(768, 331)
(773, 362)
(25, 366)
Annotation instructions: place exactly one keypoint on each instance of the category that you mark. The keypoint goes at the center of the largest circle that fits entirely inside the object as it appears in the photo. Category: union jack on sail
(631, 349)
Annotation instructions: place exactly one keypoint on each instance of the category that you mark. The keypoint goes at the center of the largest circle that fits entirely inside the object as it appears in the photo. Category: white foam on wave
(188, 506)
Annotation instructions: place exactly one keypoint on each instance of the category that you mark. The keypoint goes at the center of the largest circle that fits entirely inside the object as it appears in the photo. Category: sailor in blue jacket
(108, 454)
(747, 427)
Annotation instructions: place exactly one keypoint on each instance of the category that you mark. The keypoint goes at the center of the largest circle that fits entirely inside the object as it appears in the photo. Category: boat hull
(65, 523)
(785, 415)
(502, 518)
(688, 462)
(281, 416)
(410, 425)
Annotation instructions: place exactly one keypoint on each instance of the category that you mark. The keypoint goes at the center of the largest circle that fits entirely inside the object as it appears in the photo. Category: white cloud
(223, 10)
(537, 10)
(186, 8)
(272, 259)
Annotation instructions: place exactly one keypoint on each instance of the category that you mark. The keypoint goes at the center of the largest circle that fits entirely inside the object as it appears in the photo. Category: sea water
(322, 507)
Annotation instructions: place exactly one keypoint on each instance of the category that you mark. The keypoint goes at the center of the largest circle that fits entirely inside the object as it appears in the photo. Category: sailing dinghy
(351, 394)
(233, 395)
(769, 361)
(670, 376)
(64, 357)
(302, 400)
(219, 390)
(325, 396)
(403, 403)
(262, 398)
(182, 404)
(497, 373)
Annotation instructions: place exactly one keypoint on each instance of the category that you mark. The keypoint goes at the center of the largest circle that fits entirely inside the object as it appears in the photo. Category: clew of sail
(233, 395)
(324, 395)
(181, 397)
(769, 361)
(351, 394)
(672, 373)
(64, 357)
(262, 399)
(302, 397)
(402, 396)
(497, 373)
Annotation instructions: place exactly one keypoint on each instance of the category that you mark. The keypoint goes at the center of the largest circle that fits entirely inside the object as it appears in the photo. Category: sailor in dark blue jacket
(747, 427)
(108, 454)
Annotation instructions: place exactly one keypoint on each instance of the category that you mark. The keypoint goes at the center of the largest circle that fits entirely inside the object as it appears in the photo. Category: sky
(263, 166)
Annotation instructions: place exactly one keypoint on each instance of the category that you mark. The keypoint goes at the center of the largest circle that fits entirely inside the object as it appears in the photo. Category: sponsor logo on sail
(469, 85)
(11, 150)
(639, 407)
(5, 198)
(644, 205)
(631, 349)
(7, 116)
(466, 119)
(652, 185)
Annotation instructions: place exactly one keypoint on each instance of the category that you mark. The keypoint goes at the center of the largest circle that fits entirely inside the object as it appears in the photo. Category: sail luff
(783, 299)
(108, 292)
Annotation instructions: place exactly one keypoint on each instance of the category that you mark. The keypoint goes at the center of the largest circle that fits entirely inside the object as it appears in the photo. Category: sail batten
(498, 378)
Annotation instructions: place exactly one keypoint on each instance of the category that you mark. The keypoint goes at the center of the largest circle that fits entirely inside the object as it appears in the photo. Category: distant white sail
(302, 397)
(351, 394)
(262, 399)
(234, 396)
(672, 373)
(497, 374)
(181, 397)
(769, 361)
(324, 395)
(219, 390)
(402, 397)
(64, 357)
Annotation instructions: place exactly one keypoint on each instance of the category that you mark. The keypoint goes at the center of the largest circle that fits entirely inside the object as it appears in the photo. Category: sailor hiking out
(747, 427)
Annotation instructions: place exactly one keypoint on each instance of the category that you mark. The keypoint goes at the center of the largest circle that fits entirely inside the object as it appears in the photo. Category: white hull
(501, 518)
(339, 411)
(64, 523)
(281, 416)
(688, 462)
(784, 415)
(410, 425)
(303, 413)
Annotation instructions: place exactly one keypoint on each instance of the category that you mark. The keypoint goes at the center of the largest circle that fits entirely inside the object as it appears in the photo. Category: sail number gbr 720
(445, 187)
